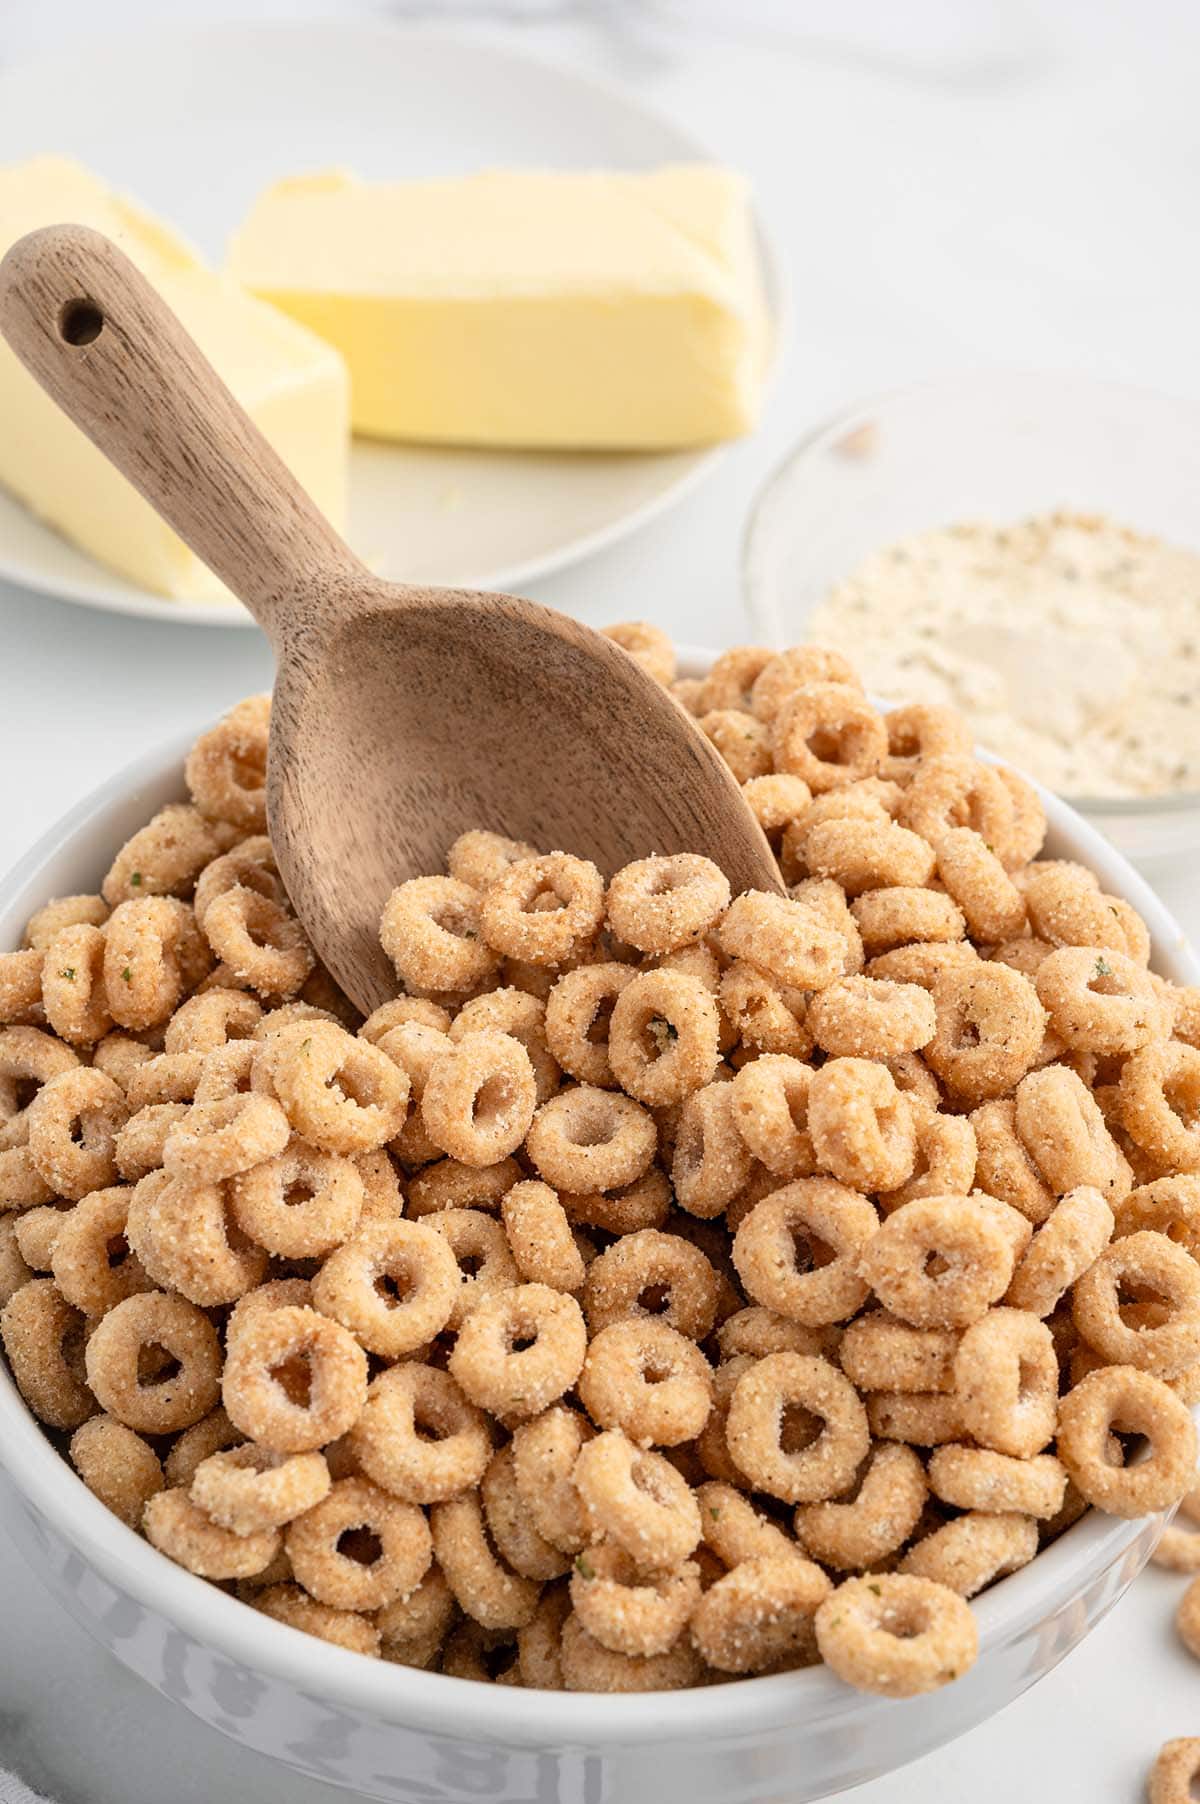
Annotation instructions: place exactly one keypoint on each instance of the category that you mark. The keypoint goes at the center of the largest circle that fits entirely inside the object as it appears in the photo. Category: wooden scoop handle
(104, 345)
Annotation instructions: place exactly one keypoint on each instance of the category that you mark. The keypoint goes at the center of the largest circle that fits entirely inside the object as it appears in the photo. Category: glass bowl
(996, 447)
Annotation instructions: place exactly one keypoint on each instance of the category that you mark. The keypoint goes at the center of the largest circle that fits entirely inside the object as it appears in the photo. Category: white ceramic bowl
(419, 1738)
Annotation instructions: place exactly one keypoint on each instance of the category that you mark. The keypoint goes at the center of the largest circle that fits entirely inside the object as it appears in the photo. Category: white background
(951, 185)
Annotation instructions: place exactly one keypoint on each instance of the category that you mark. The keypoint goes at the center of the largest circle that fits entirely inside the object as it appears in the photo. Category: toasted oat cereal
(857, 1531)
(897, 1634)
(1172, 1777)
(973, 1550)
(664, 1285)
(645, 1378)
(646, 1506)
(648, 646)
(759, 1616)
(630, 1611)
(117, 1466)
(1120, 1399)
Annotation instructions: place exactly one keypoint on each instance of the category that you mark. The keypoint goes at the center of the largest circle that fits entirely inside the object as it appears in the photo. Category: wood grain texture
(146, 395)
(402, 715)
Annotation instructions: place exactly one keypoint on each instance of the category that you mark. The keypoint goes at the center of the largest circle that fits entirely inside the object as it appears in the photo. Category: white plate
(195, 123)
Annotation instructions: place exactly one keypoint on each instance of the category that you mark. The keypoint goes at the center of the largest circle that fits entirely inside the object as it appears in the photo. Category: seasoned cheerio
(666, 1285)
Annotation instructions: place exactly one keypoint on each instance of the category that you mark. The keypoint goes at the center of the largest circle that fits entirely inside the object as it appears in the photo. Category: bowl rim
(749, 1708)
(844, 421)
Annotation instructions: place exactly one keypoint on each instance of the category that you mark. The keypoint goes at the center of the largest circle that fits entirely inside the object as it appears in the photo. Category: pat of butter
(522, 307)
(292, 385)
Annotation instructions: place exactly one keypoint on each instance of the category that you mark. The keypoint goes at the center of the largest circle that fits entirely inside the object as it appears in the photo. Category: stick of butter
(522, 307)
(292, 385)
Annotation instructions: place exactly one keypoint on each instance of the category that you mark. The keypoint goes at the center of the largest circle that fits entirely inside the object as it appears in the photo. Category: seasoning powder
(1073, 642)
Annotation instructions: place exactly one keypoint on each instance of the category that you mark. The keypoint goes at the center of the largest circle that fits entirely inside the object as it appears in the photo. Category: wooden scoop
(402, 716)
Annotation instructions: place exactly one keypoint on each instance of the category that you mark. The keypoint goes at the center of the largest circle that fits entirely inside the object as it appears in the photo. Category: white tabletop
(986, 185)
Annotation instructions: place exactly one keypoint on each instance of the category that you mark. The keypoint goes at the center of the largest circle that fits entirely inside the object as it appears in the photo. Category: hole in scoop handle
(105, 346)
